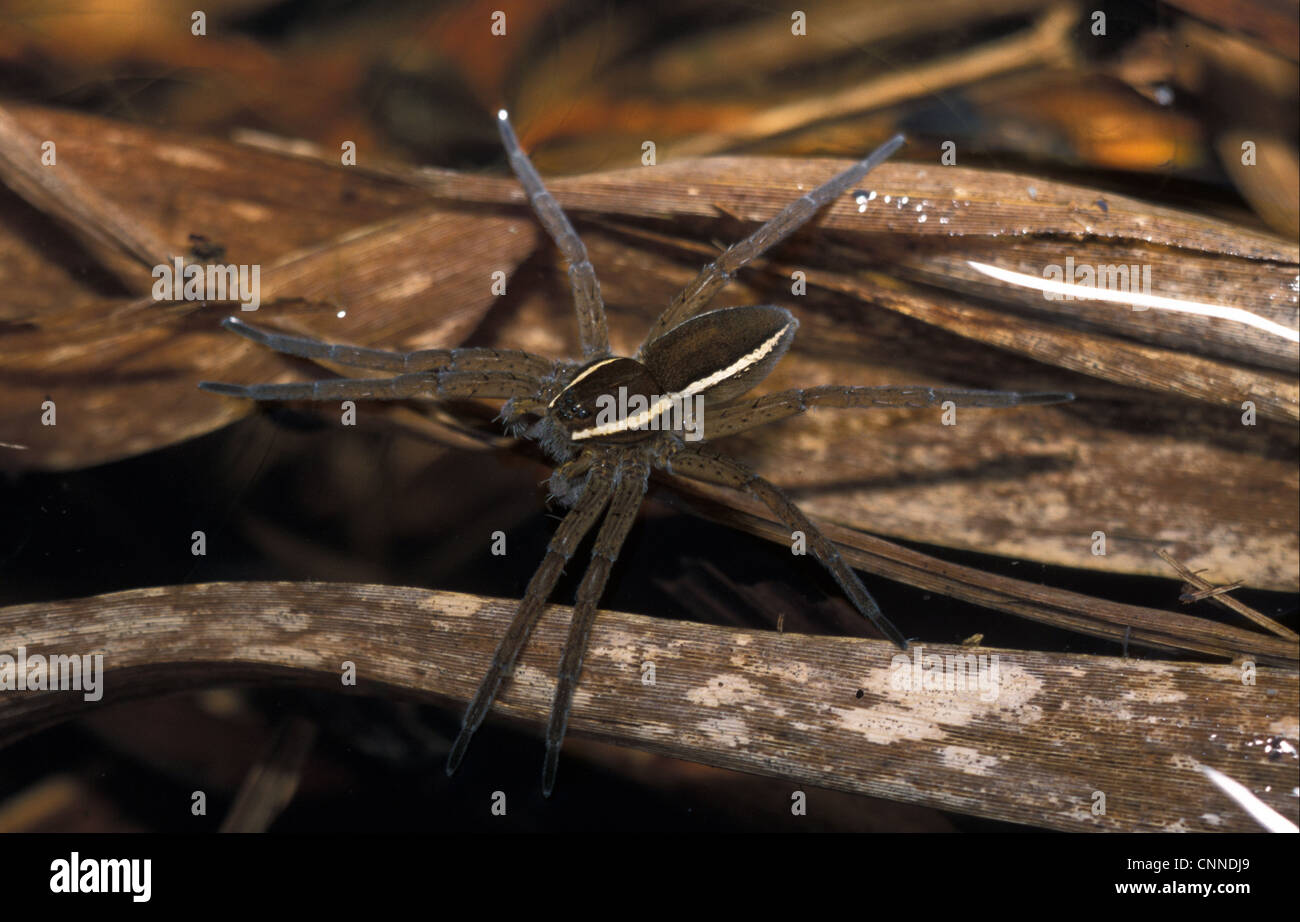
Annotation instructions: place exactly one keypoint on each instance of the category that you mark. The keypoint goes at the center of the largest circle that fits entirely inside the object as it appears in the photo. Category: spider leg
(592, 327)
(576, 524)
(695, 296)
(415, 385)
(445, 384)
(703, 464)
(496, 384)
(750, 414)
(623, 506)
(419, 360)
(566, 477)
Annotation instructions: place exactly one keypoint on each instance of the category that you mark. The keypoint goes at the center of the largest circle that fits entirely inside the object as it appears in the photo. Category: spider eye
(568, 407)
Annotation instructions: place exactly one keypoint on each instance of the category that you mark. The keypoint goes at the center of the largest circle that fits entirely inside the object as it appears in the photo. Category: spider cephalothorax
(608, 420)
(705, 361)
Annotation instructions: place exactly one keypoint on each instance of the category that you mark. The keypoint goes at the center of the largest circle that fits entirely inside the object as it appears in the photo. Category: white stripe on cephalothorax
(580, 377)
(641, 420)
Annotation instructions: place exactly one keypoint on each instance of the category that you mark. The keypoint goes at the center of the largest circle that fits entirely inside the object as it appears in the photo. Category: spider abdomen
(721, 354)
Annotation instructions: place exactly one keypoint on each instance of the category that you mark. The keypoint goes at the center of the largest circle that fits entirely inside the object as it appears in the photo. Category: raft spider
(603, 457)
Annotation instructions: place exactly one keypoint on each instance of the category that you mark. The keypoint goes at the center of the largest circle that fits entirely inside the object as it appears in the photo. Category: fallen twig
(1056, 740)
(1219, 594)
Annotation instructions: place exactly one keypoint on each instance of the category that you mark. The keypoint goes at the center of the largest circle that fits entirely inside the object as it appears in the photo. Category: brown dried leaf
(123, 374)
(1032, 483)
(819, 710)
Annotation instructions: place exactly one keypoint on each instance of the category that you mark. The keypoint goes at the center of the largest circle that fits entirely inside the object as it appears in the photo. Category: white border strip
(640, 420)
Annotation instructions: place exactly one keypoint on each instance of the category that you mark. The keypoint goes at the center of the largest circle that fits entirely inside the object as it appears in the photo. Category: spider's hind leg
(703, 464)
(759, 411)
(696, 296)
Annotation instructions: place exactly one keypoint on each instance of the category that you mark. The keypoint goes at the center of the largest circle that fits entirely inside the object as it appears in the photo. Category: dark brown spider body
(583, 407)
(731, 349)
(707, 360)
(610, 420)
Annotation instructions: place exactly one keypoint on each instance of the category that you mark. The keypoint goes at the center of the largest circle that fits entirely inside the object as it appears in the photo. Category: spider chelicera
(607, 421)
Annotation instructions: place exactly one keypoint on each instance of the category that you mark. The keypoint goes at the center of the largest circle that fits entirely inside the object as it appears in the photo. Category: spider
(606, 420)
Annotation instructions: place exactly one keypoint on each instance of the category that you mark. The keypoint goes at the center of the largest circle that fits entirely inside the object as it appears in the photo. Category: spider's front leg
(445, 373)
(595, 496)
(565, 482)
(705, 464)
(395, 388)
(446, 385)
(631, 476)
(524, 364)
(712, 278)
